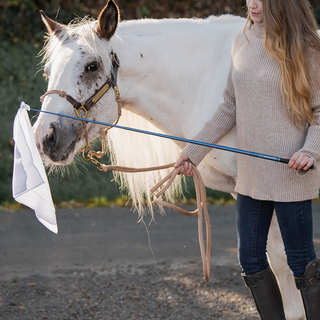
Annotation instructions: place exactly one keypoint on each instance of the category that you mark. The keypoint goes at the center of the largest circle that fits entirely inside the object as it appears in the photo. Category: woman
(273, 94)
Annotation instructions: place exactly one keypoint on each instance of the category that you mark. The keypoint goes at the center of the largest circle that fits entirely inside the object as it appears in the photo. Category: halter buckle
(115, 59)
(77, 110)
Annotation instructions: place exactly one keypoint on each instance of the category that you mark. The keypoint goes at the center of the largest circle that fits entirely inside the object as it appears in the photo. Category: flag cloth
(29, 180)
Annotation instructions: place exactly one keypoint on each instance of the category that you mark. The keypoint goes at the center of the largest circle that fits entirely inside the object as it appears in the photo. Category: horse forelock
(78, 30)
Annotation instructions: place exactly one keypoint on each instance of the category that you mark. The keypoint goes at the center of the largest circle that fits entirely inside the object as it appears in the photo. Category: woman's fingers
(306, 163)
(187, 167)
(182, 158)
(300, 161)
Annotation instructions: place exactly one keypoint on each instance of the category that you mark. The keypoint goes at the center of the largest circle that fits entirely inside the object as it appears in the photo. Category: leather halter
(91, 102)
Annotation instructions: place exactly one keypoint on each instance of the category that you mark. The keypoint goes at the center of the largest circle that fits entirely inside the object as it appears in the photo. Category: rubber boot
(309, 286)
(266, 294)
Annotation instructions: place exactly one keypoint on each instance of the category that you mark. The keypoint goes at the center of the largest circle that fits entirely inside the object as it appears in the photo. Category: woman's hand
(187, 168)
(300, 161)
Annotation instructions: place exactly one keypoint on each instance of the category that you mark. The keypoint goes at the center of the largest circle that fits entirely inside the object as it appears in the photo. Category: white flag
(29, 181)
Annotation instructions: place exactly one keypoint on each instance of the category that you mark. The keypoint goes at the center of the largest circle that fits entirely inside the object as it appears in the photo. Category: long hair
(290, 33)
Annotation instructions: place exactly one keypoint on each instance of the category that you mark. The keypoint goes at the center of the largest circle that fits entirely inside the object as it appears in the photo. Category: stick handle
(285, 160)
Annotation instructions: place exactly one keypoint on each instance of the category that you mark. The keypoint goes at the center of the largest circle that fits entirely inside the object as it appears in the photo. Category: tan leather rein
(201, 204)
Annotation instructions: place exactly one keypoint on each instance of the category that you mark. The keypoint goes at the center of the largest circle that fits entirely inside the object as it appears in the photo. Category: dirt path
(100, 266)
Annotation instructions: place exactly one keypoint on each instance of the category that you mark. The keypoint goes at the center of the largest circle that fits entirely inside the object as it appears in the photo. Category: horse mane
(140, 151)
(137, 27)
(83, 28)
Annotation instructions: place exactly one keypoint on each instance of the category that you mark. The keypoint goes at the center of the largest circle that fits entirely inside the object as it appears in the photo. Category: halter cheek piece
(82, 109)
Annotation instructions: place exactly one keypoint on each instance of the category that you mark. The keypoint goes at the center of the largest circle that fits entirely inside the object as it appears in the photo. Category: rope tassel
(201, 208)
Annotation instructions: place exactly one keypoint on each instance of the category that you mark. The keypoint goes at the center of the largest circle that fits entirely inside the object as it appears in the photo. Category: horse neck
(165, 64)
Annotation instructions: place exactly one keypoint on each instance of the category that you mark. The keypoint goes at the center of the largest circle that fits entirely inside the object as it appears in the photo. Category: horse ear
(108, 20)
(52, 26)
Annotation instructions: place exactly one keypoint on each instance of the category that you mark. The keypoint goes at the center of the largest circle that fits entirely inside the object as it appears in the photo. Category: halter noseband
(91, 102)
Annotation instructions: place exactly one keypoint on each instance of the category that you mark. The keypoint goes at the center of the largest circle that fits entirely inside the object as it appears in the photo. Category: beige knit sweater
(253, 101)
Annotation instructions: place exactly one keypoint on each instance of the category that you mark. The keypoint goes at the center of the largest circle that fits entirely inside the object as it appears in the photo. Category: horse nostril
(51, 140)
(59, 142)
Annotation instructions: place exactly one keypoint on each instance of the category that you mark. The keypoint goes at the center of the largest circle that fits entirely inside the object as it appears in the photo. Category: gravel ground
(167, 291)
(100, 266)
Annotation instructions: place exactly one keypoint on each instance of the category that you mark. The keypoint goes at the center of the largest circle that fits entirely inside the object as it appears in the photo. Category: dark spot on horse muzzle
(60, 143)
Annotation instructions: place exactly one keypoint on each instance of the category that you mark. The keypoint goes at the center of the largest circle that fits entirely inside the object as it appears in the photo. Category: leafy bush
(21, 34)
(19, 81)
(20, 19)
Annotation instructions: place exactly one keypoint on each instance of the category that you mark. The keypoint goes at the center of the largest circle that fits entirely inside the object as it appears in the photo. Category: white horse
(171, 79)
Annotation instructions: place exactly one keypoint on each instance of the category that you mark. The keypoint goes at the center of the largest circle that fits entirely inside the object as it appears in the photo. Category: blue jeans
(253, 219)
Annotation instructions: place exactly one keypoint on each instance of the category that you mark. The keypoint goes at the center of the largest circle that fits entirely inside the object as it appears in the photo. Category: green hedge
(21, 34)
(20, 19)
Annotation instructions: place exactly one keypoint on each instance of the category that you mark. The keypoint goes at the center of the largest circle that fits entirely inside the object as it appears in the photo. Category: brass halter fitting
(80, 109)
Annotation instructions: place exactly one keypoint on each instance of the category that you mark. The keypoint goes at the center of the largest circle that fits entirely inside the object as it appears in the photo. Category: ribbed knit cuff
(195, 153)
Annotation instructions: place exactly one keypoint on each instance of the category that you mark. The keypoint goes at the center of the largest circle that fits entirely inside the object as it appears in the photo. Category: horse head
(78, 62)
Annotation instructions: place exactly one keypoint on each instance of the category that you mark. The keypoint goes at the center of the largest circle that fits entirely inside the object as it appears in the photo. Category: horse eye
(92, 67)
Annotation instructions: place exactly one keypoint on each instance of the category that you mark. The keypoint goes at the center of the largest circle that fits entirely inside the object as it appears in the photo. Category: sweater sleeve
(217, 127)
(311, 146)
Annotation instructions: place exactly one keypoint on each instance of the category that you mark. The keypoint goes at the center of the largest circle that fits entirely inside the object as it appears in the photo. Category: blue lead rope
(215, 146)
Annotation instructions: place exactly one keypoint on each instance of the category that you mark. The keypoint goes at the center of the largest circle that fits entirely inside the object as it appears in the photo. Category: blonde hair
(290, 31)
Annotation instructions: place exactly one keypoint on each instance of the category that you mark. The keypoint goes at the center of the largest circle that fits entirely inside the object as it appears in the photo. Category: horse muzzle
(59, 144)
